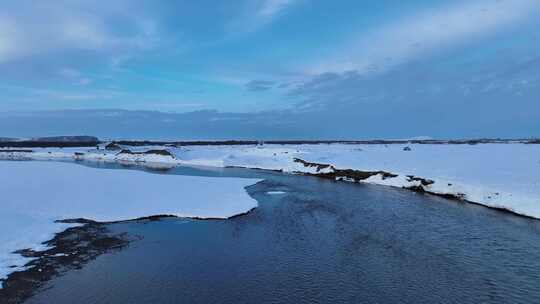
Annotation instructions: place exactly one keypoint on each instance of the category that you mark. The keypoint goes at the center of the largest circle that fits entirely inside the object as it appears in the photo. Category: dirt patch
(423, 181)
(70, 249)
(112, 146)
(149, 152)
(347, 174)
(319, 167)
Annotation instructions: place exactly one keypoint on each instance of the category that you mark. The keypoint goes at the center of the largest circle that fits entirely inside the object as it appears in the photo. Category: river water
(317, 241)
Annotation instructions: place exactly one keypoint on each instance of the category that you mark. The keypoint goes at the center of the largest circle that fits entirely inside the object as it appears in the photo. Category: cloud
(35, 94)
(421, 88)
(259, 85)
(37, 29)
(75, 76)
(271, 8)
(85, 81)
(419, 34)
(257, 14)
(9, 38)
(69, 73)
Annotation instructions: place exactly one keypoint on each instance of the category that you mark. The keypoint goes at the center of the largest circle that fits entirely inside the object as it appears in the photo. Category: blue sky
(421, 62)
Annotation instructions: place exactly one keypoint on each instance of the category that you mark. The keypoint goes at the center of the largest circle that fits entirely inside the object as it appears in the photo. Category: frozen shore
(35, 194)
(503, 175)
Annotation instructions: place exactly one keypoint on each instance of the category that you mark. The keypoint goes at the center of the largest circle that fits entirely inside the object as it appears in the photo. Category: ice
(275, 192)
(502, 175)
(36, 193)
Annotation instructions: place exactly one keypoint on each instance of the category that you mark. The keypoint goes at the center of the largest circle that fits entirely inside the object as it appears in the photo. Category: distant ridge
(91, 141)
(53, 141)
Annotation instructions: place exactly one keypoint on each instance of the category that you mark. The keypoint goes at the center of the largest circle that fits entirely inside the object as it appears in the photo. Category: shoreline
(59, 258)
(162, 159)
(70, 194)
(67, 250)
(74, 247)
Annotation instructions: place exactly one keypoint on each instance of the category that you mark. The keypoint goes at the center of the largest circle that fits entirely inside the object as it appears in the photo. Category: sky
(271, 68)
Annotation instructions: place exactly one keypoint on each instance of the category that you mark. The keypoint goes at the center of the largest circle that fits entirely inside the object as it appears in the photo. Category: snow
(36, 193)
(496, 175)
(505, 175)
(275, 192)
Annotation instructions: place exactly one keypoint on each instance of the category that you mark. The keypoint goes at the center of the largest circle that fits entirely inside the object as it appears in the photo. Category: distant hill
(66, 139)
(53, 141)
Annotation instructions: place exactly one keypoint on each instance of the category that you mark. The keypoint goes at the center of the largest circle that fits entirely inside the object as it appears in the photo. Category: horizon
(271, 69)
(257, 143)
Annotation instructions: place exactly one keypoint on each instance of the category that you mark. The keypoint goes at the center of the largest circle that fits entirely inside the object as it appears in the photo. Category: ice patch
(503, 175)
(35, 194)
(275, 192)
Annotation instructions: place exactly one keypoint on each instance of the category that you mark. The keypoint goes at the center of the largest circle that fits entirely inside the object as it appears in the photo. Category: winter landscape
(270, 151)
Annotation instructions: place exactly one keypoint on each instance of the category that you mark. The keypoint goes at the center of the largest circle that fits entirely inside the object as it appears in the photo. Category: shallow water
(319, 242)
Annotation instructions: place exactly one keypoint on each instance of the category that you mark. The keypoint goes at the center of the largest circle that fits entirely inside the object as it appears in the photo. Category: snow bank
(496, 175)
(505, 175)
(35, 194)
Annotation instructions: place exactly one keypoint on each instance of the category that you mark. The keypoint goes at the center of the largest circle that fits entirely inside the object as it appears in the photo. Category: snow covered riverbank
(496, 175)
(35, 194)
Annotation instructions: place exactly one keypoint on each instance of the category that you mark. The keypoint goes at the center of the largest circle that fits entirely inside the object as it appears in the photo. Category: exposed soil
(113, 147)
(334, 174)
(357, 176)
(70, 249)
(149, 152)
(423, 181)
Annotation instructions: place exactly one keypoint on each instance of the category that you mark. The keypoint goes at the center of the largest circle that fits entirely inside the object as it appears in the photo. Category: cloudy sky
(381, 68)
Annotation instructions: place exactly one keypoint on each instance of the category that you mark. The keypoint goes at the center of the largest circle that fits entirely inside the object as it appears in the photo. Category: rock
(149, 152)
(423, 181)
(160, 152)
(112, 146)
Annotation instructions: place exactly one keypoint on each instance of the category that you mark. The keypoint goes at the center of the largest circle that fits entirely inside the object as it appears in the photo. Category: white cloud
(271, 8)
(9, 38)
(69, 73)
(75, 76)
(29, 30)
(85, 81)
(258, 14)
(413, 36)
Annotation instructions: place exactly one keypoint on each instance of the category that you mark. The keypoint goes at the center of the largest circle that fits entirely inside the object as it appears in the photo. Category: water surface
(318, 242)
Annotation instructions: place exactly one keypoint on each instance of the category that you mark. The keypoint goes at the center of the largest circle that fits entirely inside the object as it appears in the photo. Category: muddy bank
(70, 249)
(328, 171)
(149, 152)
(331, 172)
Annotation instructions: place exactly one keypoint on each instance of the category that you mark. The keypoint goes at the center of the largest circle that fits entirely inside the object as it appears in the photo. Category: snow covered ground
(36, 193)
(505, 175)
(497, 175)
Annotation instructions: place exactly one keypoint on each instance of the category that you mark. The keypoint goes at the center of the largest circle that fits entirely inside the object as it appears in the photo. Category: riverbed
(312, 240)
